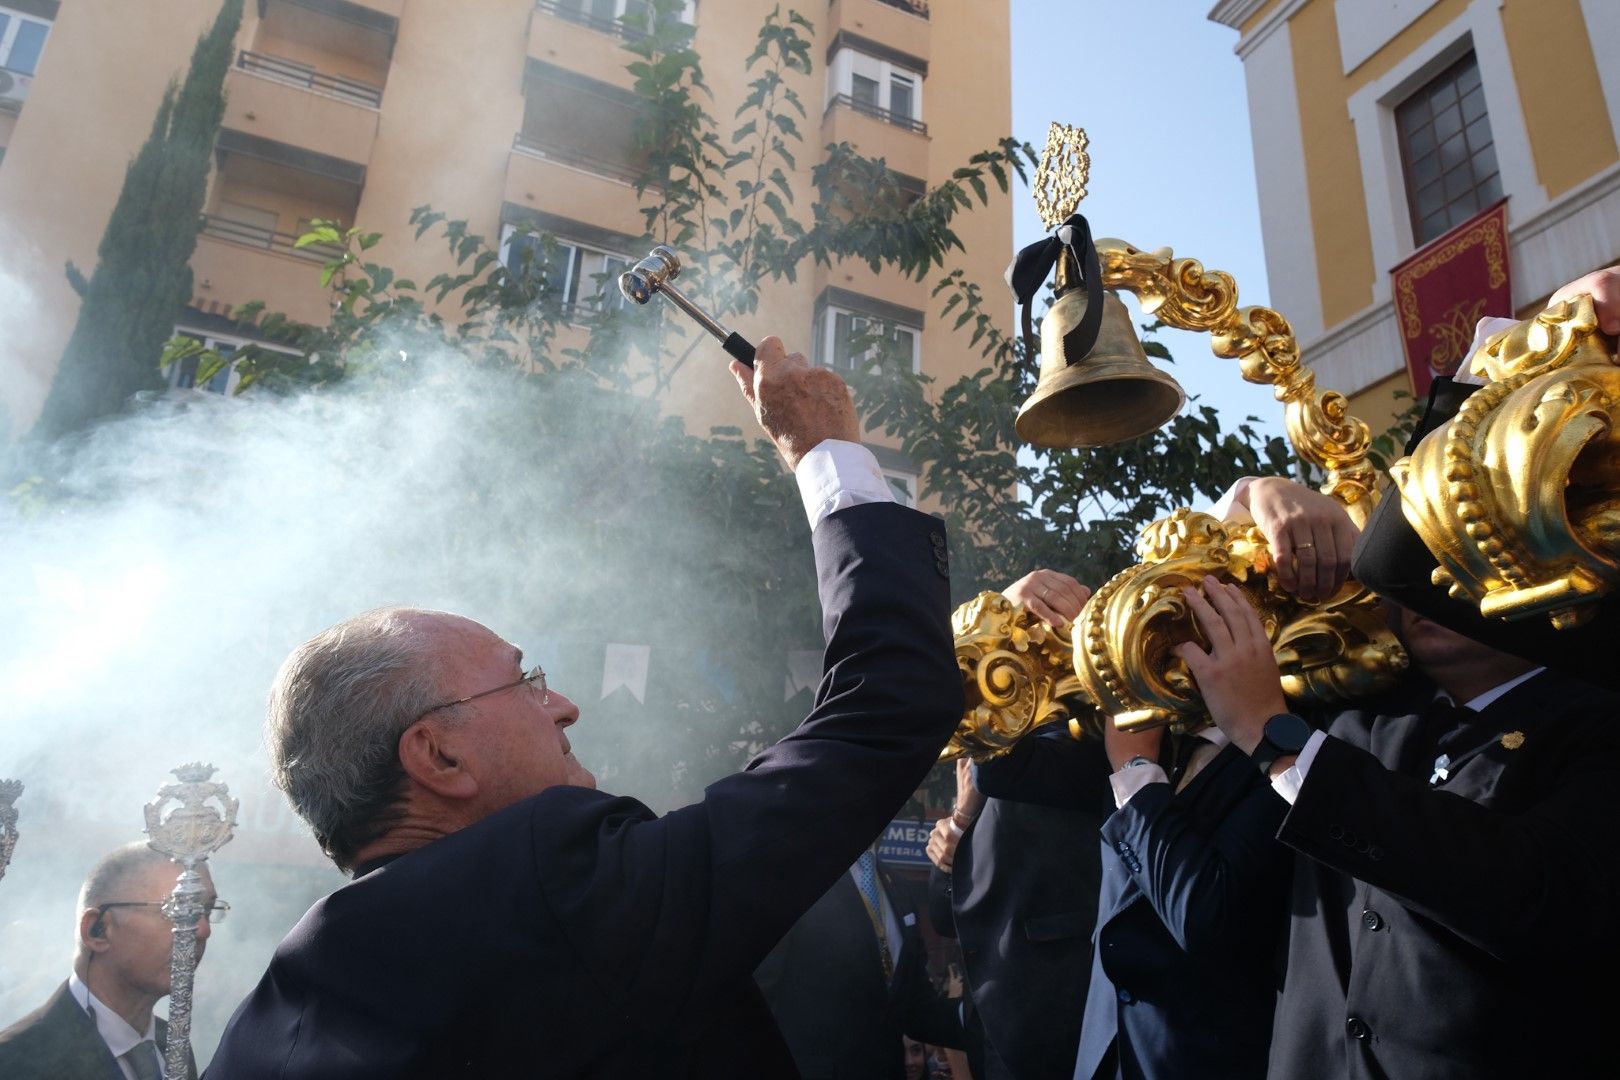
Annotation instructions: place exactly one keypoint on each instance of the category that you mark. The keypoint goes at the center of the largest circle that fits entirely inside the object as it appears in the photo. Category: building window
(880, 88)
(22, 39)
(581, 122)
(254, 224)
(849, 340)
(1447, 153)
(182, 374)
(582, 276)
(607, 15)
(904, 486)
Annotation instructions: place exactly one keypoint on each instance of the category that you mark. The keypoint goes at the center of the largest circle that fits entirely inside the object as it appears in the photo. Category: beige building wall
(1324, 79)
(451, 82)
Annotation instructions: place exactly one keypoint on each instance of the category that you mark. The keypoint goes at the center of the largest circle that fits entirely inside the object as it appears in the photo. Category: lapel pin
(1513, 740)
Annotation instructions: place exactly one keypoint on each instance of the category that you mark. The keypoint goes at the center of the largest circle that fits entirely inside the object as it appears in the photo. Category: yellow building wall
(1332, 169)
(967, 113)
(1556, 74)
(1571, 139)
(82, 123)
(1380, 405)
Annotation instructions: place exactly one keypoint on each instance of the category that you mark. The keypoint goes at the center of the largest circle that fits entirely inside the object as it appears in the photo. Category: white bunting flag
(626, 666)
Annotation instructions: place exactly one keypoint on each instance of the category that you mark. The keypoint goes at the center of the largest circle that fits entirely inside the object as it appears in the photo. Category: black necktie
(1445, 728)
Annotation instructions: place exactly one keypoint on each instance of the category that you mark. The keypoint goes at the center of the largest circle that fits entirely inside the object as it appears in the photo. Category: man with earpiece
(99, 1025)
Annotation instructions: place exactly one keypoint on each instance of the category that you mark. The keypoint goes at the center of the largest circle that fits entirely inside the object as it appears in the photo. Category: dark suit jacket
(1022, 897)
(59, 1041)
(1464, 931)
(1390, 559)
(1189, 922)
(824, 984)
(576, 933)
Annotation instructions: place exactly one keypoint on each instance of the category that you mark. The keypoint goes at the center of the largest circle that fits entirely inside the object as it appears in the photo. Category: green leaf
(321, 234)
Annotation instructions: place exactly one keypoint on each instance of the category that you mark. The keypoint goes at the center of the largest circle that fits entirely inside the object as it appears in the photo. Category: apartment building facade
(507, 113)
(1380, 127)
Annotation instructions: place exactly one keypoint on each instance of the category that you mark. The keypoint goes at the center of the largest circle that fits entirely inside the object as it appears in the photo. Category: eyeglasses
(534, 675)
(215, 912)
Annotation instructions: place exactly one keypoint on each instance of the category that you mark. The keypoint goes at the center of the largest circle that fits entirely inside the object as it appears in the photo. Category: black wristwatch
(1284, 734)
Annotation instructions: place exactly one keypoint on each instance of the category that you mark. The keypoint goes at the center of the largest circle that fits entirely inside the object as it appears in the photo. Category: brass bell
(1111, 394)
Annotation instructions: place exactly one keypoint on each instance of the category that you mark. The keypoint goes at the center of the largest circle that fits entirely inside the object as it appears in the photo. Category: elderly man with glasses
(99, 1024)
(507, 919)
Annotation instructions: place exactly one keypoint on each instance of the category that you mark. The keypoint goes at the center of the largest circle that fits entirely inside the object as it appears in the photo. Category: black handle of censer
(738, 346)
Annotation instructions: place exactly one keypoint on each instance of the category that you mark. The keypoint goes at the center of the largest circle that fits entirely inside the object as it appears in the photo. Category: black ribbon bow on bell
(1034, 264)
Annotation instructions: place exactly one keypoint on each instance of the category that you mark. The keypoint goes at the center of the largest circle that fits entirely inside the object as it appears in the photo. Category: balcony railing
(623, 171)
(293, 73)
(886, 115)
(577, 14)
(241, 232)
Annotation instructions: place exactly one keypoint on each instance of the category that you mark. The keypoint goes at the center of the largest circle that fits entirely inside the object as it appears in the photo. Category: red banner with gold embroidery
(1445, 288)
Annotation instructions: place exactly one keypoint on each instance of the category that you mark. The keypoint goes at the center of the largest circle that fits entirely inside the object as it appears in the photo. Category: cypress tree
(142, 278)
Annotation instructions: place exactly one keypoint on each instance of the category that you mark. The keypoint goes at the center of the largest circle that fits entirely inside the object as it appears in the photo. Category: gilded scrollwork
(1518, 495)
(1018, 674)
(1021, 674)
(1186, 296)
(1326, 653)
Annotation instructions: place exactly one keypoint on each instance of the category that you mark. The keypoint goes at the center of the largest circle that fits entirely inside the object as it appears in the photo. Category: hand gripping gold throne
(1020, 673)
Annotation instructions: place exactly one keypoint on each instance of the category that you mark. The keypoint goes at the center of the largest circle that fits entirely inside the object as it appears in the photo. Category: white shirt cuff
(837, 474)
(1223, 506)
(1287, 783)
(1128, 782)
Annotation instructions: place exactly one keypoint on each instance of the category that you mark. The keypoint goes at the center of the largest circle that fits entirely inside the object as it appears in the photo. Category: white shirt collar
(1479, 702)
(1213, 735)
(114, 1029)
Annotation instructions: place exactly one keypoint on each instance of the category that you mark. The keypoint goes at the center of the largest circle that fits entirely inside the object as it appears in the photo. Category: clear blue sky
(1161, 94)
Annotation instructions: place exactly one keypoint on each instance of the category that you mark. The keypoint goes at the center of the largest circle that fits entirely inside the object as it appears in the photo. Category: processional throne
(1517, 498)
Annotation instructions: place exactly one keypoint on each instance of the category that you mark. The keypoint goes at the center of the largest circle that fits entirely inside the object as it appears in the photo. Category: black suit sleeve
(1513, 884)
(675, 909)
(1210, 891)
(1050, 769)
(933, 1018)
(940, 911)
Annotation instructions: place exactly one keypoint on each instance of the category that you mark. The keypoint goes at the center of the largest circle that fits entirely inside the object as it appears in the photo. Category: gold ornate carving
(1021, 673)
(1518, 495)
(1184, 295)
(1018, 673)
(1060, 179)
(1326, 653)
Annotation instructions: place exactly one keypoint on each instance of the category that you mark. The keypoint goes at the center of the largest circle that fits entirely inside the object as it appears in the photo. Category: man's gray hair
(115, 878)
(339, 705)
(114, 872)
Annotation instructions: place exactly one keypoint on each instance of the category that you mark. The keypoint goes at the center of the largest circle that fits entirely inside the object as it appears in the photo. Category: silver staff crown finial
(199, 825)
